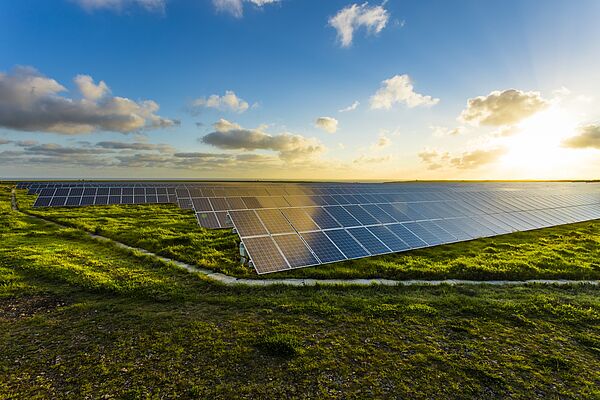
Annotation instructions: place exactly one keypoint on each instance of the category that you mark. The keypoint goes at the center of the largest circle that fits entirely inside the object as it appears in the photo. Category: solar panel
(323, 247)
(299, 219)
(208, 220)
(369, 241)
(407, 236)
(388, 238)
(247, 224)
(274, 221)
(344, 220)
(265, 255)
(342, 216)
(321, 217)
(295, 251)
(346, 243)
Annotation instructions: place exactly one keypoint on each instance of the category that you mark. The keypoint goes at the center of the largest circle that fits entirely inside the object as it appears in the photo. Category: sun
(535, 150)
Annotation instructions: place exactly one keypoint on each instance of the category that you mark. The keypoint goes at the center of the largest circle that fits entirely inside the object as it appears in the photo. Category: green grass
(563, 252)
(83, 319)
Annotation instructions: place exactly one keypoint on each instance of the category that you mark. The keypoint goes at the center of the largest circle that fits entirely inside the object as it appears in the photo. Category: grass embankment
(83, 319)
(563, 252)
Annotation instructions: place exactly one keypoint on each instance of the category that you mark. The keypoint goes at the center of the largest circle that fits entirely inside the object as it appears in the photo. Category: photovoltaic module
(292, 225)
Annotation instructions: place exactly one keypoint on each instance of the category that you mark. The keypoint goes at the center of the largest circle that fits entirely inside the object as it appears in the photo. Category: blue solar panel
(368, 241)
(388, 238)
(323, 247)
(346, 243)
(342, 216)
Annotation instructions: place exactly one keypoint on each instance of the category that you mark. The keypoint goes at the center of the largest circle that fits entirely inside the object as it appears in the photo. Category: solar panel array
(285, 225)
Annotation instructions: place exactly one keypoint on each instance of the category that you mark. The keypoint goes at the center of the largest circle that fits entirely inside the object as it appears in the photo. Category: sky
(300, 89)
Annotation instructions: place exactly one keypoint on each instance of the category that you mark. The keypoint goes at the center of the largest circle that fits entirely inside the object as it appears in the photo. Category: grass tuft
(278, 345)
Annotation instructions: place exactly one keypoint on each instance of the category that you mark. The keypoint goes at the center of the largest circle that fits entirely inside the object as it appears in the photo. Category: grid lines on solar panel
(441, 233)
(394, 212)
(388, 238)
(299, 219)
(361, 215)
(378, 213)
(201, 204)
(342, 216)
(247, 223)
(424, 234)
(265, 255)
(324, 248)
(274, 221)
(407, 236)
(323, 219)
(224, 221)
(295, 251)
(368, 240)
(346, 243)
(208, 220)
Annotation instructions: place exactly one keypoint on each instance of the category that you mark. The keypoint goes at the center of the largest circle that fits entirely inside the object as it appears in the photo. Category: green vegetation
(84, 319)
(563, 252)
(162, 229)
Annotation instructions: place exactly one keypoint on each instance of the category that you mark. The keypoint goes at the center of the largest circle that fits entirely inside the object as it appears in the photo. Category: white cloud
(236, 7)
(119, 5)
(382, 142)
(364, 159)
(499, 108)
(231, 136)
(351, 107)
(328, 124)
(30, 101)
(443, 131)
(399, 89)
(473, 159)
(229, 101)
(355, 16)
(222, 125)
(588, 137)
(89, 89)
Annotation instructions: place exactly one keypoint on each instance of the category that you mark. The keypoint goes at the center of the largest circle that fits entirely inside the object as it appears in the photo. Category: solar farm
(170, 289)
(284, 226)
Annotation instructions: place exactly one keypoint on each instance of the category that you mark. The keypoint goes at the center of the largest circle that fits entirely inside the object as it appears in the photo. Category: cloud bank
(498, 108)
(588, 137)
(29, 101)
(473, 159)
(231, 136)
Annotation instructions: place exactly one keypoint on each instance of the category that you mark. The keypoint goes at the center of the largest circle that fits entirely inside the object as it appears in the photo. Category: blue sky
(534, 64)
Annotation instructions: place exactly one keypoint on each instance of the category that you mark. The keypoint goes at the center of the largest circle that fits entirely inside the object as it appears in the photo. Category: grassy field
(82, 319)
(566, 252)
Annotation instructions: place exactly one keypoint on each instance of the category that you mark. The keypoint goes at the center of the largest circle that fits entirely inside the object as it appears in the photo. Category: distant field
(82, 319)
(568, 252)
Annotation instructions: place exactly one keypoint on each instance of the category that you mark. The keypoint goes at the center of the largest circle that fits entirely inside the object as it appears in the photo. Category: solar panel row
(321, 246)
(285, 226)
